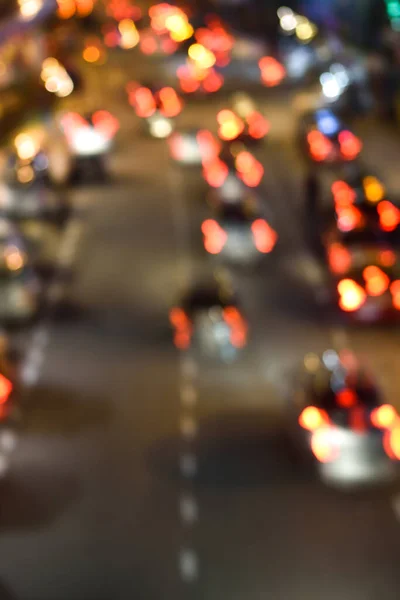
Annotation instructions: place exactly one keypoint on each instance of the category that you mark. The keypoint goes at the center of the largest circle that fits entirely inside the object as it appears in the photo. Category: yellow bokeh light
(203, 57)
(374, 190)
(91, 54)
(305, 30)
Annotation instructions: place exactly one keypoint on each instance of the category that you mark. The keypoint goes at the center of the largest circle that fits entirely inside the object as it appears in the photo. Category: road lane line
(188, 427)
(188, 565)
(188, 508)
(188, 464)
(188, 394)
(189, 368)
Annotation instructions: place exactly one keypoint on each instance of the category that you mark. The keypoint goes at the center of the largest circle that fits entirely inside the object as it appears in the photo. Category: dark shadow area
(235, 450)
(36, 499)
(59, 411)
(6, 593)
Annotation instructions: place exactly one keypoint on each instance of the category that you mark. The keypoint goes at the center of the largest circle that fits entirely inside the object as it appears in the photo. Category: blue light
(327, 123)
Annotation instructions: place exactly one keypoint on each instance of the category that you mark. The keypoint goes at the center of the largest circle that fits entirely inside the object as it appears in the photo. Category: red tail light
(339, 259)
(183, 328)
(250, 171)
(313, 418)
(215, 172)
(178, 317)
(349, 218)
(343, 194)
(230, 126)
(147, 43)
(377, 282)
(208, 145)
(188, 84)
(214, 236)
(346, 398)
(320, 146)
(322, 445)
(391, 443)
(169, 46)
(213, 81)
(395, 291)
(357, 418)
(106, 123)
(352, 295)
(143, 102)
(71, 123)
(6, 388)
(265, 237)
(171, 104)
(258, 125)
(272, 71)
(384, 416)
(387, 258)
(350, 145)
(389, 215)
(238, 326)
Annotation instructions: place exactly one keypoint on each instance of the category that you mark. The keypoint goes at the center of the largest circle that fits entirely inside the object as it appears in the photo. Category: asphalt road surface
(142, 473)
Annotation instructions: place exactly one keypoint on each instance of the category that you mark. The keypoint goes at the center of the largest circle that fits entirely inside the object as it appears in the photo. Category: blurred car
(238, 232)
(90, 138)
(339, 418)
(157, 107)
(350, 184)
(235, 160)
(242, 122)
(326, 140)
(210, 320)
(361, 252)
(37, 157)
(8, 419)
(37, 202)
(19, 286)
(193, 146)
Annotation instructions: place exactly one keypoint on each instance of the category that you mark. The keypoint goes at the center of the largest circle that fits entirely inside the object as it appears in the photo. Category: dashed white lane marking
(188, 508)
(189, 368)
(188, 426)
(188, 565)
(188, 464)
(188, 394)
(29, 375)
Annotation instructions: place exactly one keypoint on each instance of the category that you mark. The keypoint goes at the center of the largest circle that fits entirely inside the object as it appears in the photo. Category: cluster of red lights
(123, 9)
(350, 217)
(353, 296)
(102, 120)
(183, 327)
(215, 237)
(211, 81)
(321, 148)
(317, 422)
(216, 38)
(145, 103)
(231, 126)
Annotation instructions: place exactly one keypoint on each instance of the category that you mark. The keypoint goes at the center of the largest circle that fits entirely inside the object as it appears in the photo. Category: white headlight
(87, 141)
(160, 127)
